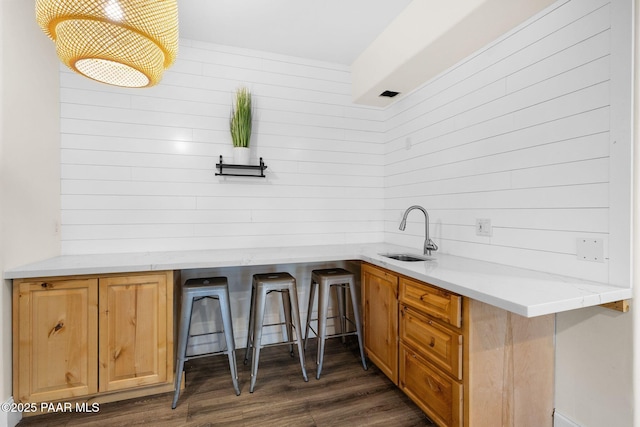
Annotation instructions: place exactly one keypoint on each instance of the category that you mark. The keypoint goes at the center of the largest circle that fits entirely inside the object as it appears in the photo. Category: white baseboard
(560, 420)
(8, 418)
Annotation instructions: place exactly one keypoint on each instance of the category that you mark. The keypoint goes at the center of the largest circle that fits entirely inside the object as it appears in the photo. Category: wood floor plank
(345, 395)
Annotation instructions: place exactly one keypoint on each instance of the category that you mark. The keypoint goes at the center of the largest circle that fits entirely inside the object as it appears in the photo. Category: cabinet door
(134, 337)
(55, 339)
(380, 293)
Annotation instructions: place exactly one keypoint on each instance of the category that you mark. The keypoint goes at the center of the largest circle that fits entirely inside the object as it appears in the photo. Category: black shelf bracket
(249, 170)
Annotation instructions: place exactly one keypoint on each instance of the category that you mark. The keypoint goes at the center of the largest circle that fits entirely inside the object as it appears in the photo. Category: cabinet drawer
(434, 301)
(439, 396)
(436, 342)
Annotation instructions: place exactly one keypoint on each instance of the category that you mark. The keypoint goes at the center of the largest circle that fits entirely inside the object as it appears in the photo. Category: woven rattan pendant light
(120, 42)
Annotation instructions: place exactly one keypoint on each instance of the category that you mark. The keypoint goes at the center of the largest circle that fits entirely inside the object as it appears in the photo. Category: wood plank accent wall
(138, 165)
(532, 132)
(521, 133)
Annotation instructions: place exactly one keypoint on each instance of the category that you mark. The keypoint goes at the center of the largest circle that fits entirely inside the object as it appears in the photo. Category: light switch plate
(590, 249)
(483, 227)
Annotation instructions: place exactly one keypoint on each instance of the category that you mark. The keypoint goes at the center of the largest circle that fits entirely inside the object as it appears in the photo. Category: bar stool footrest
(198, 356)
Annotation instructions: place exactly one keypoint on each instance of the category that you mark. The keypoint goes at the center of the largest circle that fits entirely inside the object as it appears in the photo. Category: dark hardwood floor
(345, 395)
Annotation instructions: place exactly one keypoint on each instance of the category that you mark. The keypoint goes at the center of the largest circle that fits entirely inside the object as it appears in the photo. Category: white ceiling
(326, 30)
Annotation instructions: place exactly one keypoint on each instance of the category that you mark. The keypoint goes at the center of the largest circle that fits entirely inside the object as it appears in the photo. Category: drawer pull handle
(45, 285)
(433, 342)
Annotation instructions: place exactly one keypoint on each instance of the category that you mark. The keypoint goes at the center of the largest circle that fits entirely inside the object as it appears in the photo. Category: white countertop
(525, 292)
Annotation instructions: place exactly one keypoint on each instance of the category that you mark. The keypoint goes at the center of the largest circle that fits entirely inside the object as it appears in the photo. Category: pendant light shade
(120, 42)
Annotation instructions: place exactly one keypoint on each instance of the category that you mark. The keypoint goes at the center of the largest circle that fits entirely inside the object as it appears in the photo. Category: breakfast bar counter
(525, 292)
(445, 321)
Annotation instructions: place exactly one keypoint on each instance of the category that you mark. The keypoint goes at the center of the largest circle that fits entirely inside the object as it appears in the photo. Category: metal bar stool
(264, 284)
(338, 279)
(195, 290)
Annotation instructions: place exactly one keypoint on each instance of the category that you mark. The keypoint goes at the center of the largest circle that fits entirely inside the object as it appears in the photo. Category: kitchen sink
(408, 257)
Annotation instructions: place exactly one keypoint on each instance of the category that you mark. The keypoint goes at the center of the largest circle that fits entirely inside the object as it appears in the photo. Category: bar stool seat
(215, 288)
(264, 284)
(324, 280)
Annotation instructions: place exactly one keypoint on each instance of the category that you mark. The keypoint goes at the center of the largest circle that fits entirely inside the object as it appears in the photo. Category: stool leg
(295, 313)
(252, 306)
(183, 336)
(286, 306)
(258, 320)
(340, 292)
(312, 296)
(356, 315)
(227, 324)
(323, 308)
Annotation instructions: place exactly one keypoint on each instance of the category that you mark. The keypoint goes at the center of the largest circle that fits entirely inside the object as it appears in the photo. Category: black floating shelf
(229, 169)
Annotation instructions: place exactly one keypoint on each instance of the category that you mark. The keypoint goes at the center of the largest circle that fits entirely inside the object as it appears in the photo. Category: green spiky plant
(241, 117)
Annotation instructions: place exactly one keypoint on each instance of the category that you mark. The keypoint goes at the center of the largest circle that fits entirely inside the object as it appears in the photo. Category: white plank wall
(138, 165)
(520, 134)
(523, 133)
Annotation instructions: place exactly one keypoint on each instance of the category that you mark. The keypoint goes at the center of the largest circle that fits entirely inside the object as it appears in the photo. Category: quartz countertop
(528, 293)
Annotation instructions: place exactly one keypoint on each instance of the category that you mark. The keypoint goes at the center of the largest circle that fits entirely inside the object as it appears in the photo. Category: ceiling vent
(389, 93)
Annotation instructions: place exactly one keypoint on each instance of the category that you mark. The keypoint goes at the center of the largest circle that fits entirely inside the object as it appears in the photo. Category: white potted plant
(240, 126)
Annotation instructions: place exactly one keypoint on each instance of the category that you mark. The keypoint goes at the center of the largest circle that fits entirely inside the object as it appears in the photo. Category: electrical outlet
(483, 227)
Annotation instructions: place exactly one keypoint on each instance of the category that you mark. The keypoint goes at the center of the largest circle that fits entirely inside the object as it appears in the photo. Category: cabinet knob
(44, 285)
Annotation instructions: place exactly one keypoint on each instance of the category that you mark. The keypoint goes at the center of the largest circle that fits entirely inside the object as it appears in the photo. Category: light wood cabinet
(433, 301)
(380, 317)
(83, 336)
(441, 345)
(133, 331)
(437, 394)
(463, 362)
(431, 347)
(55, 343)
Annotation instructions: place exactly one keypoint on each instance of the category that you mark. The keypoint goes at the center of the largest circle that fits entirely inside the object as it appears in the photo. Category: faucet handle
(429, 245)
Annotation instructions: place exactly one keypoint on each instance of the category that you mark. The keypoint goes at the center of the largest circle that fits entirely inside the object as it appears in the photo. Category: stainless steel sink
(408, 257)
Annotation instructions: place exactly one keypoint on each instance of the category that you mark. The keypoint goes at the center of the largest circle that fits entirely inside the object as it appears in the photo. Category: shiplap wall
(138, 165)
(519, 133)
